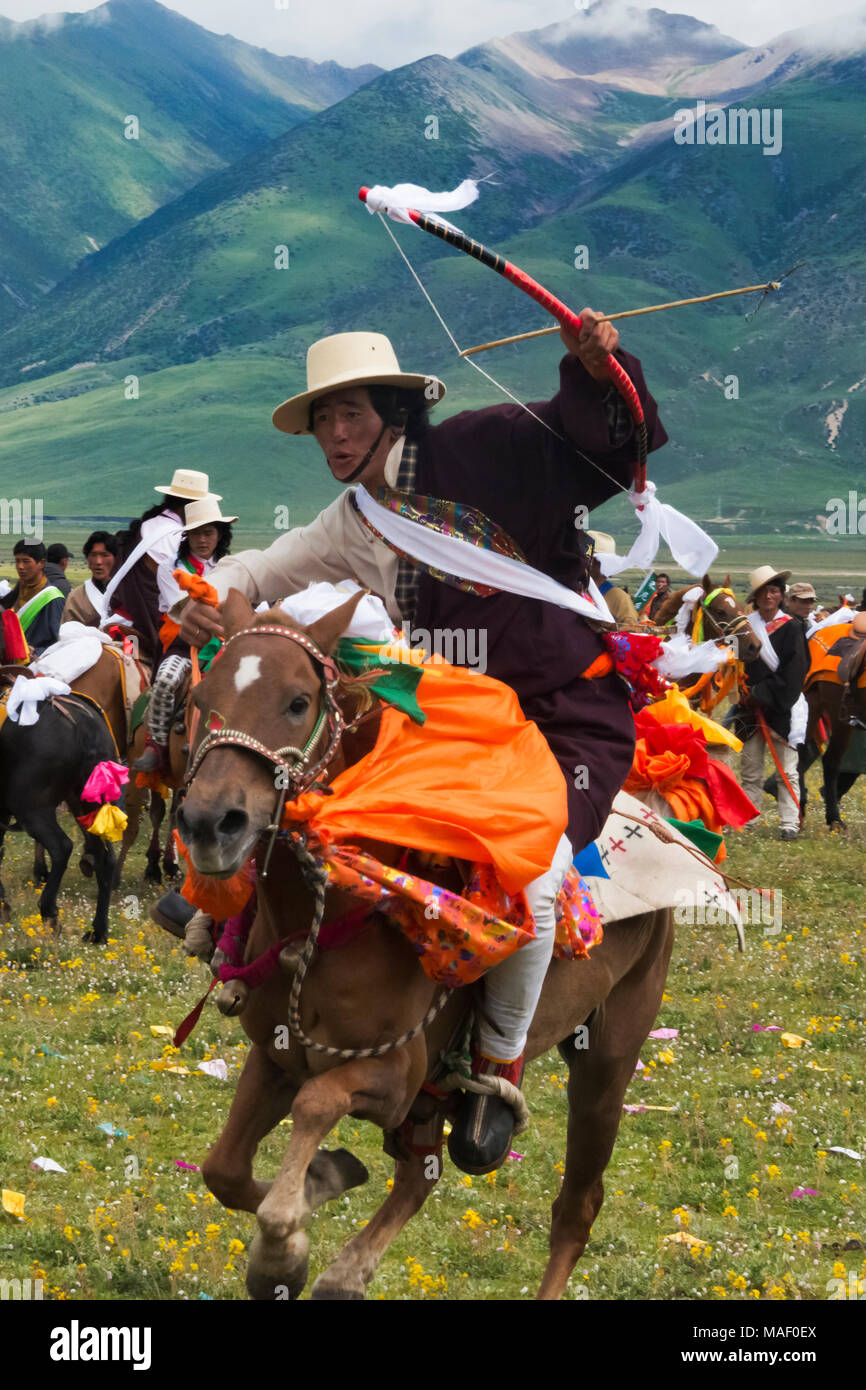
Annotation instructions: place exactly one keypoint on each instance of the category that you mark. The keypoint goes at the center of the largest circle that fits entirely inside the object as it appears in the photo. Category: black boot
(172, 912)
(483, 1128)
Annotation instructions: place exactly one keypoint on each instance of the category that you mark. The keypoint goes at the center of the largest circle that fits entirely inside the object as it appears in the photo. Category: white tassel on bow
(397, 200)
(690, 546)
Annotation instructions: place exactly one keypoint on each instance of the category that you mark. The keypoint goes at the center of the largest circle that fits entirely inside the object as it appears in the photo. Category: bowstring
(492, 379)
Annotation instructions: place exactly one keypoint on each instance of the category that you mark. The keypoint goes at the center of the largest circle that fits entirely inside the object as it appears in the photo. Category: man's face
(346, 426)
(801, 607)
(768, 600)
(28, 569)
(100, 561)
(203, 541)
(662, 584)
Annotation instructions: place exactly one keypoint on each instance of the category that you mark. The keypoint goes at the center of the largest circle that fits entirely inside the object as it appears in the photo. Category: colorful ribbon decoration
(618, 375)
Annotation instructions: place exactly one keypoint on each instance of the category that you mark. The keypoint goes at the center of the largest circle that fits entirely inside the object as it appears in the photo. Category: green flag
(646, 590)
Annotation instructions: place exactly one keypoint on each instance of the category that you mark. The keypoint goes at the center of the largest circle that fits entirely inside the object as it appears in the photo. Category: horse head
(725, 616)
(266, 709)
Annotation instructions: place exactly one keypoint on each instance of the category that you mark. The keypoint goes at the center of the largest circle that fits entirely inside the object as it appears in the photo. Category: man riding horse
(371, 422)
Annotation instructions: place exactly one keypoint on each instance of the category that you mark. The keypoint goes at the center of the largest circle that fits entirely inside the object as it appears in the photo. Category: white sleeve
(165, 547)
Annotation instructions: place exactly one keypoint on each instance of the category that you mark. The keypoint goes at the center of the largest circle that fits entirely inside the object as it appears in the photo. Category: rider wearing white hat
(371, 421)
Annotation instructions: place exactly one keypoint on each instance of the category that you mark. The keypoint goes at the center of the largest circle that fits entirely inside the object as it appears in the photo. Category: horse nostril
(232, 823)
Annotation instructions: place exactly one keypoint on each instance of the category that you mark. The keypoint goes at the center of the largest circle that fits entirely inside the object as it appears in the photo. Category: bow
(377, 200)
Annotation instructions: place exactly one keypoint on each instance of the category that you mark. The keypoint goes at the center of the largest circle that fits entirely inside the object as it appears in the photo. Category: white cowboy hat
(189, 484)
(349, 359)
(604, 543)
(765, 574)
(204, 513)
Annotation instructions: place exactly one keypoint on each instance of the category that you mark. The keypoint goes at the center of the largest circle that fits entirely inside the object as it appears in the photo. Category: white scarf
(466, 561)
(159, 528)
(769, 656)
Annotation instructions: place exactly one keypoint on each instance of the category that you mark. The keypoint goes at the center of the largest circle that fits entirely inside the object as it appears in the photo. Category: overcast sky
(391, 32)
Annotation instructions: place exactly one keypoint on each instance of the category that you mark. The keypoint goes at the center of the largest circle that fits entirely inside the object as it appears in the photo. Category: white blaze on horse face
(249, 670)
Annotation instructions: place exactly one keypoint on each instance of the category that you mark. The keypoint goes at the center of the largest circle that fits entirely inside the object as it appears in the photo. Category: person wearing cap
(774, 707)
(207, 537)
(800, 601)
(616, 598)
(148, 542)
(528, 473)
(57, 557)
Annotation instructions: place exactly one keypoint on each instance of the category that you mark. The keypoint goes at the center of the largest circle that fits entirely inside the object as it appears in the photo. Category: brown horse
(840, 705)
(364, 996)
(725, 619)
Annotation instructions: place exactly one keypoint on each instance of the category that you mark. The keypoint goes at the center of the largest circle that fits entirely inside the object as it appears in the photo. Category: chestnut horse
(840, 705)
(362, 998)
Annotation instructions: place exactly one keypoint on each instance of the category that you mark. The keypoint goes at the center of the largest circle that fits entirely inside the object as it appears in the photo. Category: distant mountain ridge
(72, 180)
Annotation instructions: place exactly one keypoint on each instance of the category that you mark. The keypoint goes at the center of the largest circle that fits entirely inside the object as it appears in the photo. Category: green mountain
(72, 178)
(190, 305)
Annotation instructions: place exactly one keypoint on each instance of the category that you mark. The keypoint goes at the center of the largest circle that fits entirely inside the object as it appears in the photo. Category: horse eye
(299, 705)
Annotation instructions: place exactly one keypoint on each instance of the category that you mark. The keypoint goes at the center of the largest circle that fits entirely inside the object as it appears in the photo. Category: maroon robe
(510, 467)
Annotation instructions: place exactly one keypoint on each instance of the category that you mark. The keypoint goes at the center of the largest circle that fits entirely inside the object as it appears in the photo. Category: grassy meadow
(701, 1191)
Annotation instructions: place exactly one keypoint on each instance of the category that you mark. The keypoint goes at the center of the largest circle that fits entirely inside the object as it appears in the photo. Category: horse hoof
(320, 1292)
(86, 865)
(836, 826)
(277, 1275)
(88, 938)
(152, 875)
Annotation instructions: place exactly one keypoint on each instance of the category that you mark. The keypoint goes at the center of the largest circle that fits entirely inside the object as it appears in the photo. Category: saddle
(838, 654)
(852, 651)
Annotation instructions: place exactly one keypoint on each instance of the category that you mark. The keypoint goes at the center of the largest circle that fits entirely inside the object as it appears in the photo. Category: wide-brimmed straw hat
(189, 484)
(765, 574)
(604, 543)
(349, 359)
(204, 513)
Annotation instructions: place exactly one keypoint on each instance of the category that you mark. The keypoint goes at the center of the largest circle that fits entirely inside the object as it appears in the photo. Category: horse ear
(707, 583)
(237, 612)
(727, 583)
(327, 631)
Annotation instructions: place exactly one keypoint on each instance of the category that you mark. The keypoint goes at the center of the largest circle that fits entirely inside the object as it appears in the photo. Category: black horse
(41, 766)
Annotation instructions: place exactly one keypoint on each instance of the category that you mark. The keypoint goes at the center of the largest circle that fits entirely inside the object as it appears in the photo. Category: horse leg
(351, 1272)
(42, 826)
(40, 868)
(263, 1097)
(134, 800)
(378, 1089)
(5, 909)
(597, 1082)
(102, 856)
(157, 812)
(169, 858)
(839, 740)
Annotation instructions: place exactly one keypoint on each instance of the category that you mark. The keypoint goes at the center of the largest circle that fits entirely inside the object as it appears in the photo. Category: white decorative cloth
(370, 621)
(690, 546)
(842, 615)
(158, 535)
(769, 655)
(397, 200)
(26, 695)
(455, 556)
(681, 657)
(78, 648)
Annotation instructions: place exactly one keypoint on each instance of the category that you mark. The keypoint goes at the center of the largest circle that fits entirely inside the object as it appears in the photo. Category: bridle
(733, 626)
(299, 774)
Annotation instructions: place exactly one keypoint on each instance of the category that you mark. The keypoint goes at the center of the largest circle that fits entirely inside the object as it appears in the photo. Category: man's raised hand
(594, 344)
(200, 622)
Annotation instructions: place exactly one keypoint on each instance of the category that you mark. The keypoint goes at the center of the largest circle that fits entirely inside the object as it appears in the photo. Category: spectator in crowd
(662, 591)
(57, 557)
(100, 550)
(617, 599)
(39, 605)
(772, 713)
(800, 601)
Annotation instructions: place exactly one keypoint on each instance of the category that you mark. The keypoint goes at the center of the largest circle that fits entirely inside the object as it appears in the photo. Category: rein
(302, 777)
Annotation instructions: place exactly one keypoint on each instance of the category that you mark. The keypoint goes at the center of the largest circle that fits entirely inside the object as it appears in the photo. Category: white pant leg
(512, 989)
(789, 816)
(752, 768)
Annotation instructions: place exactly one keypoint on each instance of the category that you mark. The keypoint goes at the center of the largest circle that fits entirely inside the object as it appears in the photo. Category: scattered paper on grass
(44, 1051)
(780, 1108)
(215, 1067)
(794, 1040)
(815, 1067)
(162, 1030)
(188, 1167)
(47, 1165)
(179, 1071)
(640, 1065)
(13, 1202)
(639, 1109)
(803, 1192)
(517, 1157)
(108, 1128)
(684, 1238)
(665, 1033)
(845, 1153)
(766, 1028)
